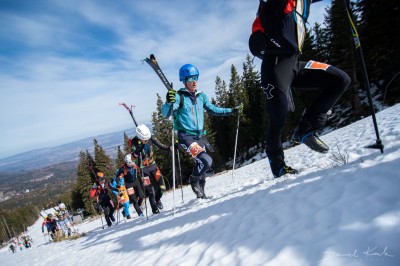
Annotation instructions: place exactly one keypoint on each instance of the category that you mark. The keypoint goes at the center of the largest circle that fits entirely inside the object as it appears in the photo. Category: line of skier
(59, 223)
(281, 70)
(19, 243)
(136, 179)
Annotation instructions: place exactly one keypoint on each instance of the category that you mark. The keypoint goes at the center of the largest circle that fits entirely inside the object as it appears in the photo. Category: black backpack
(279, 27)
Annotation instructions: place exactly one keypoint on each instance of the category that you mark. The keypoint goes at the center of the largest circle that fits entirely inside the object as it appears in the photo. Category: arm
(216, 111)
(160, 145)
(136, 147)
(93, 190)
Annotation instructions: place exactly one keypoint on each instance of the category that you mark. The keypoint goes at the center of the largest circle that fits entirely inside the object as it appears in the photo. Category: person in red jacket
(101, 190)
(51, 224)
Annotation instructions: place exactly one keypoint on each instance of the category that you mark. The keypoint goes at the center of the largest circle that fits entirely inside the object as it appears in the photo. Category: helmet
(61, 206)
(50, 216)
(128, 160)
(100, 174)
(187, 71)
(143, 132)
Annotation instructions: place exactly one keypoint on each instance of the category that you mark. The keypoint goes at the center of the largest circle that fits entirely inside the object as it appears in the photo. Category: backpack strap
(181, 99)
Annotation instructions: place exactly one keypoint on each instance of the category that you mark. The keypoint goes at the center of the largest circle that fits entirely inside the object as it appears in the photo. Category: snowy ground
(345, 215)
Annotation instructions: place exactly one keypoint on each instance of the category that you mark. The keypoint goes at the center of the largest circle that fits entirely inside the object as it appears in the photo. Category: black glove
(138, 149)
(171, 96)
(118, 186)
(121, 194)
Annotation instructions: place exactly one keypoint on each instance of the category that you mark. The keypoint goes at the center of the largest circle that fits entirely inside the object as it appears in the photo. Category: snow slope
(344, 215)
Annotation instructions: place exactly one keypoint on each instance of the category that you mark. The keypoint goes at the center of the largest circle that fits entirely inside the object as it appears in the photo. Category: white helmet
(128, 160)
(143, 132)
(61, 206)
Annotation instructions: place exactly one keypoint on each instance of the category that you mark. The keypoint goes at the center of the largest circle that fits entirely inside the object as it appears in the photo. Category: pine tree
(162, 128)
(379, 28)
(254, 108)
(103, 162)
(120, 157)
(84, 182)
(342, 54)
(127, 149)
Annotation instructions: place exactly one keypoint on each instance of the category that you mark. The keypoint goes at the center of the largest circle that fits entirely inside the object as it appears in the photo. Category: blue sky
(65, 65)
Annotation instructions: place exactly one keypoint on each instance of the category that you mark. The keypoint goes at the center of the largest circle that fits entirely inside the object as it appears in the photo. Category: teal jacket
(190, 117)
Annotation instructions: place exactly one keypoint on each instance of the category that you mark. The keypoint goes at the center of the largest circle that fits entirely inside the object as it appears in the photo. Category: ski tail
(130, 112)
(154, 65)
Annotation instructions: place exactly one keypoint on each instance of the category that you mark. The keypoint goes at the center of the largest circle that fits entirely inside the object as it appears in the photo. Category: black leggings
(279, 74)
(202, 159)
(137, 198)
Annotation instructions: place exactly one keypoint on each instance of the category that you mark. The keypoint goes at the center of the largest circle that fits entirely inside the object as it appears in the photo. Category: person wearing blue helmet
(188, 113)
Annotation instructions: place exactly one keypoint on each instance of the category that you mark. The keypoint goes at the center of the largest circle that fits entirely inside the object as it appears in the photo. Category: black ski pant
(135, 194)
(195, 146)
(108, 209)
(279, 74)
(153, 172)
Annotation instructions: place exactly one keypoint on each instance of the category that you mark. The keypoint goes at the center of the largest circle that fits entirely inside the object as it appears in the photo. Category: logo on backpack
(279, 28)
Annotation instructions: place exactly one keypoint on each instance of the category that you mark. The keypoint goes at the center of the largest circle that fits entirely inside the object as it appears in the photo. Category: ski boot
(160, 205)
(202, 185)
(286, 170)
(307, 131)
(312, 141)
(194, 183)
(277, 163)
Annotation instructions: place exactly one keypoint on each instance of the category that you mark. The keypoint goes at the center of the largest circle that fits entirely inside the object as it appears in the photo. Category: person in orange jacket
(101, 190)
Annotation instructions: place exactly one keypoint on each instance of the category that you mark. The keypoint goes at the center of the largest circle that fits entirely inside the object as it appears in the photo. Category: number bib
(194, 149)
(316, 65)
(130, 191)
(146, 181)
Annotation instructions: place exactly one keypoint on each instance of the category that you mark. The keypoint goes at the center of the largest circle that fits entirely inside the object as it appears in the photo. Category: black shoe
(197, 190)
(123, 213)
(286, 170)
(112, 218)
(128, 217)
(109, 225)
(155, 211)
(196, 187)
(312, 140)
(160, 205)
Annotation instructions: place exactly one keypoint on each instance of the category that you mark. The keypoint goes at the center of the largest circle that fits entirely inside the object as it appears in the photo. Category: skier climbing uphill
(142, 150)
(188, 106)
(277, 39)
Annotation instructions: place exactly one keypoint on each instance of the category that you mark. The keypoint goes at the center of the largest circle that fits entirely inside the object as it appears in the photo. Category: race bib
(316, 65)
(194, 149)
(146, 181)
(130, 191)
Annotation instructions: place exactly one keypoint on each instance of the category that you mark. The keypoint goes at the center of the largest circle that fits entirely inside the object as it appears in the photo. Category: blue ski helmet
(187, 71)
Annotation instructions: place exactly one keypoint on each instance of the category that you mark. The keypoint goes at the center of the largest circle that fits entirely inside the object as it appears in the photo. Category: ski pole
(142, 186)
(101, 217)
(173, 162)
(357, 44)
(180, 172)
(236, 139)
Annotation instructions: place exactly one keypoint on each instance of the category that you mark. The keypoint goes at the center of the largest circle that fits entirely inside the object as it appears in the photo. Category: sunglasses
(102, 179)
(192, 79)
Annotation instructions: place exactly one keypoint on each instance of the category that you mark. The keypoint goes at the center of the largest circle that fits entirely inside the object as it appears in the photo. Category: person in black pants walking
(101, 190)
(128, 171)
(279, 42)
